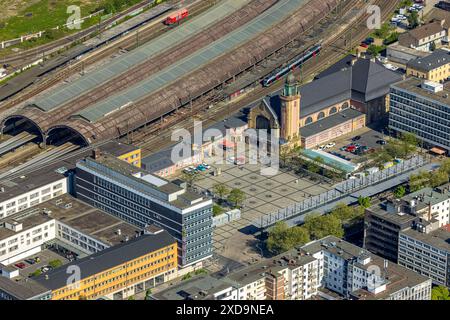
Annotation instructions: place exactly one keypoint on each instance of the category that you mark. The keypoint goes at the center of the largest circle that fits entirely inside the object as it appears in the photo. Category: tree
(148, 294)
(217, 210)
(320, 226)
(364, 201)
(399, 192)
(190, 178)
(419, 181)
(438, 178)
(413, 19)
(344, 212)
(221, 190)
(55, 263)
(282, 238)
(131, 298)
(237, 197)
(375, 50)
(440, 293)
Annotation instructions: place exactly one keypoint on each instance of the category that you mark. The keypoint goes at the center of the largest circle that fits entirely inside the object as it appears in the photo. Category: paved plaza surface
(265, 194)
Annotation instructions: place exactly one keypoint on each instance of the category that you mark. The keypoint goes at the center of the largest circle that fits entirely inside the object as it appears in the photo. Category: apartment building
(385, 221)
(434, 67)
(140, 198)
(329, 268)
(290, 276)
(355, 273)
(423, 37)
(426, 250)
(422, 108)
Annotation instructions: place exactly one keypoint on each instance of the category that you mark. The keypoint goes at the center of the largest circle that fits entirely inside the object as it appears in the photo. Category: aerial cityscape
(232, 150)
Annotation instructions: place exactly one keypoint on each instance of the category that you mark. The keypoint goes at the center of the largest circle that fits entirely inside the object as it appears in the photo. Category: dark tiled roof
(107, 258)
(435, 60)
(364, 81)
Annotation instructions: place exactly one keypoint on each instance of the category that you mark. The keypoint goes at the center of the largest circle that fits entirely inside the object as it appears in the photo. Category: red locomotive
(177, 17)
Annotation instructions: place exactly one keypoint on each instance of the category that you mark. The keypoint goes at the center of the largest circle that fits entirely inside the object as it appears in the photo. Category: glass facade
(428, 119)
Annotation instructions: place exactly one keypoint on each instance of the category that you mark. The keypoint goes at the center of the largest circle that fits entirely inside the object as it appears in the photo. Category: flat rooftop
(413, 85)
(330, 122)
(439, 238)
(75, 214)
(380, 211)
(134, 177)
(108, 258)
(291, 259)
(118, 149)
(28, 182)
(427, 196)
(22, 289)
(397, 277)
(199, 288)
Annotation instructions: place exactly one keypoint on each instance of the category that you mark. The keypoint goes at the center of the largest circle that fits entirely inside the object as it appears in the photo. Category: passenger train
(294, 63)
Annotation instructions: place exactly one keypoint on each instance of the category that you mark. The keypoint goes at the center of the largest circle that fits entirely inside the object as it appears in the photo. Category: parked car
(201, 168)
(187, 170)
(356, 138)
(30, 261)
(20, 265)
(206, 166)
(331, 144)
(364, 45)
(46, 268)
(382, 142)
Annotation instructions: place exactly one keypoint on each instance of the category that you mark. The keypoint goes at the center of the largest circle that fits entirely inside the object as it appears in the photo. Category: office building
(63, 222)
(114, 273)
(141, 199)
(422, 108)
(426, 250)
(385, 221)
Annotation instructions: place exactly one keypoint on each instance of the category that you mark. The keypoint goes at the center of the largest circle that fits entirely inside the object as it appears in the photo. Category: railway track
(24, 57)
(128, 42)
(166, 58)
(157, 137)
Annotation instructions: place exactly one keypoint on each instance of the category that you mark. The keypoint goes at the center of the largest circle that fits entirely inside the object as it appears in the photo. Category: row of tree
(234, 196)
(281, 238)
(403, 147)
(433, 179)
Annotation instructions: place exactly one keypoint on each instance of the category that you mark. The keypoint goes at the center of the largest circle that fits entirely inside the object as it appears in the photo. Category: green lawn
(42, 15)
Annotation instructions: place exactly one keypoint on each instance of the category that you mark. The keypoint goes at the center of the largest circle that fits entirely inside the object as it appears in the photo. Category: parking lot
(45, 256)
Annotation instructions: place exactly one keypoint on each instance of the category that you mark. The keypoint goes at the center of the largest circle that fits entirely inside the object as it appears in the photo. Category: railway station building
(346, 97)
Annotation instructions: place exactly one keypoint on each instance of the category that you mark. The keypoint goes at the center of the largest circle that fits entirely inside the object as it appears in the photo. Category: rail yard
(113, 101)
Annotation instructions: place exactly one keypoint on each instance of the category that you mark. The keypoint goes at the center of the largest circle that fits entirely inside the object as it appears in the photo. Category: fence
(341, 190)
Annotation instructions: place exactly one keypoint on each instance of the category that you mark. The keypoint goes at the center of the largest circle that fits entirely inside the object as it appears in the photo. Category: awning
(228, 144)
(438, 151)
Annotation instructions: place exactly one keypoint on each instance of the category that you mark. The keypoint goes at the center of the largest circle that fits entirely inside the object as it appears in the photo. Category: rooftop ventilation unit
(432, 86)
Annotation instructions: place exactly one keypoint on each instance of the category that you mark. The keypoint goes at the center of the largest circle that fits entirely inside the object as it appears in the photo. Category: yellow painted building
(435, 67)
(122, 151)
(118, 272)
